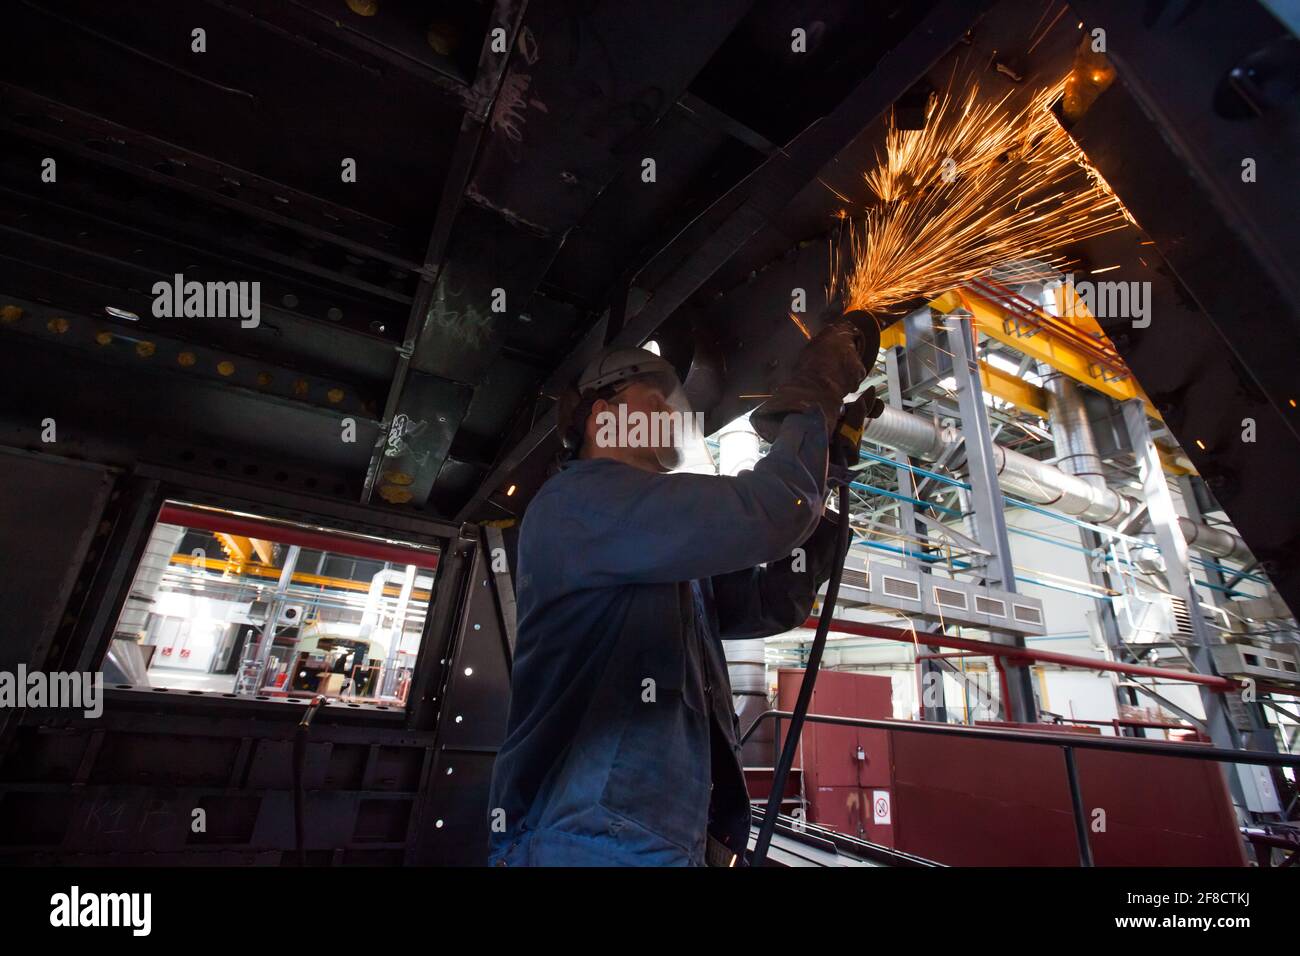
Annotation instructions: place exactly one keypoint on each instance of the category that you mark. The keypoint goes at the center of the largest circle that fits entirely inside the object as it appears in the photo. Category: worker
(622, 743)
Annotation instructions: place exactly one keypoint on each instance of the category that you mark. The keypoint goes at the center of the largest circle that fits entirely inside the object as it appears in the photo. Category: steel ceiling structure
(483, 179)
(418, 319)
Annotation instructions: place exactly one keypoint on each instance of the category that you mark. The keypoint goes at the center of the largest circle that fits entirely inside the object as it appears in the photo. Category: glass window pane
(234, 604)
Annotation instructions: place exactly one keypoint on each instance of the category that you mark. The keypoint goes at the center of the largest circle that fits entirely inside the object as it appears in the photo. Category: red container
(970, 802)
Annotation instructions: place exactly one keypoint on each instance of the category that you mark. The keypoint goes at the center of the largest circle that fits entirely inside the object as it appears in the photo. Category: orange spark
(981, 185)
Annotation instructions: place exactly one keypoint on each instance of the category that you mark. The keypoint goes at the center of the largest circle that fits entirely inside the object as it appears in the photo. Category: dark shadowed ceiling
(498, 213)
(502, 224)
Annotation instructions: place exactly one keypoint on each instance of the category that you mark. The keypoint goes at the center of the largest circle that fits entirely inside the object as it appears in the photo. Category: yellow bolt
(300, 387)
(187, 359)
(264, 379)
(10, 313)
(57, 326)
(335, 395)
(145, 349)
(399, 477)
(104, 338)
(364, 8)
(226, 368)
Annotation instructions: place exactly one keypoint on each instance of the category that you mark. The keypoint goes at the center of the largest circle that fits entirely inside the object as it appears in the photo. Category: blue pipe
(897, 497)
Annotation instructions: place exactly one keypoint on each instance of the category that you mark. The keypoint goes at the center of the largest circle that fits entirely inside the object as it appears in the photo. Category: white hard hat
(618, 365)
(605, 376)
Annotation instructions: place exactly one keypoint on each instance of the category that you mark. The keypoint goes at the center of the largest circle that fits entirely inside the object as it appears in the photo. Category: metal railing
(1162, 748)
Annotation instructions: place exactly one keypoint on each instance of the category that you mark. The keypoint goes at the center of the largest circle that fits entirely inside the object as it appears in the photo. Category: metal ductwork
(1045, 484)
(919, 437)
(1076, 449)
(1215, 541)
(1040, 483)
(1076, 484)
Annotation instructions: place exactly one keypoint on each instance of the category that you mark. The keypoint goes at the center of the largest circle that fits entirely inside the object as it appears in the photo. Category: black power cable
(783, 765)
(842, 461)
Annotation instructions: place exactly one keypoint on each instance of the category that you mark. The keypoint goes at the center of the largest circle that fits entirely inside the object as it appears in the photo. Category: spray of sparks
(982, 184)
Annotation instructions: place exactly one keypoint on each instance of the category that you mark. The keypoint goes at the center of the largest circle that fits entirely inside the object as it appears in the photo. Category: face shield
(671, 428)
(651, 410)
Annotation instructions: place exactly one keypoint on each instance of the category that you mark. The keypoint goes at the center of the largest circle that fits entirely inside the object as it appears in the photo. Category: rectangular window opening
(245, 607)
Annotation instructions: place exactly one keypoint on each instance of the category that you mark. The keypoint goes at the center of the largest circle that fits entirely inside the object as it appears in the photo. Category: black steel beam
(28, 115)
(769, 188)
(143, 350)
(534, 180)
(1206, 94)
(507, 15)
(728, 224)
(381, 37)
(710, 117)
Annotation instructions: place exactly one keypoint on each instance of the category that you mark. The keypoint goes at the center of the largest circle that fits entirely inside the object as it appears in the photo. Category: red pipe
(291, 534)
(1022, 653)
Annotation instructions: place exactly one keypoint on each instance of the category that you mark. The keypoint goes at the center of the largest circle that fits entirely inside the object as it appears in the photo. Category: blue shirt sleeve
(762, 601)
(631, 526)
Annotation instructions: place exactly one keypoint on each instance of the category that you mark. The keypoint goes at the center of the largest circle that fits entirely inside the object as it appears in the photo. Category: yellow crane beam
(1045, 343)
(1056, 349)
(999, 383)
(273, 573)
(265, 550)
(237, 546)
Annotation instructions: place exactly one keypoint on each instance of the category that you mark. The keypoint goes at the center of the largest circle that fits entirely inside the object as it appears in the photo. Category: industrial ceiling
(450, 206)
(481, 179)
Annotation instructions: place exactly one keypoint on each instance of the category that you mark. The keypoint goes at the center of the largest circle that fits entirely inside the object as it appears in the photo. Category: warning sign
(880, 807)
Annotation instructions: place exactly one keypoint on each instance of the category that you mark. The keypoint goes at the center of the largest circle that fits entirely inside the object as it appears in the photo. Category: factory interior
(290, 294)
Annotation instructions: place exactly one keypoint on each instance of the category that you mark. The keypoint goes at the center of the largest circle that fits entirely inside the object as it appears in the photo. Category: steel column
(1106, 618)
(244, 686)
(1164, 522)
(1261, 732)
(990, 524)
(929, 672)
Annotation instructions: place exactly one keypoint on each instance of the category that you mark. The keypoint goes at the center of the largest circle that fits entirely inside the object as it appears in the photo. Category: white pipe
(1038, 482)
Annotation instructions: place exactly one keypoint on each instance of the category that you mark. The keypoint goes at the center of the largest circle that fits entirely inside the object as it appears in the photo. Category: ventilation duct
(1040, 483)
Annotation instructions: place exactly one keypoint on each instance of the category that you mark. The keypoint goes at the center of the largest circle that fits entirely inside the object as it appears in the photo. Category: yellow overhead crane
(272, 573)
(1071, 343)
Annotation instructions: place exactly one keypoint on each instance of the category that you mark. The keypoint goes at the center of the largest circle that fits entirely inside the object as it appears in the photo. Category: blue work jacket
(621, 745)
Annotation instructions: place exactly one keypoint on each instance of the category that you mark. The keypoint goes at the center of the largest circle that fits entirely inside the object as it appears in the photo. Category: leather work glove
(829, 368)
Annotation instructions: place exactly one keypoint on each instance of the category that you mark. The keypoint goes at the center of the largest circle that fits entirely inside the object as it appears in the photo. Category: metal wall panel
(50, 512)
